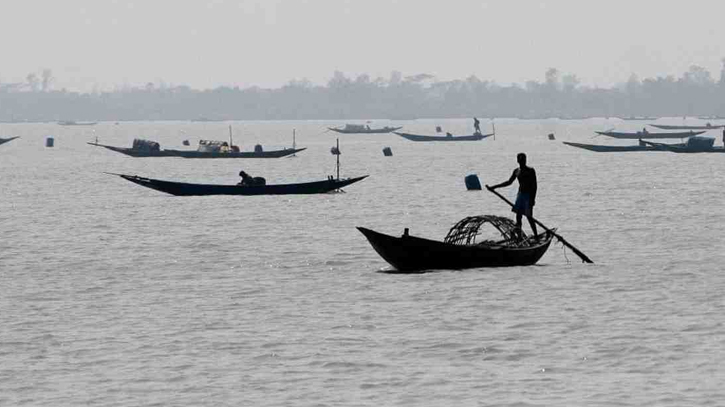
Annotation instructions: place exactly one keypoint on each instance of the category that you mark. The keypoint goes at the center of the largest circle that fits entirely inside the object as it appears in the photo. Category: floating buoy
(551, 136)
(335, 151)
(49, 142)
(473, 183)
(185, 142)
(387, 152)
(438, 129)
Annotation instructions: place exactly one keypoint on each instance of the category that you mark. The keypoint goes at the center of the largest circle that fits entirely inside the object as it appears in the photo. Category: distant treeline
(398, 97)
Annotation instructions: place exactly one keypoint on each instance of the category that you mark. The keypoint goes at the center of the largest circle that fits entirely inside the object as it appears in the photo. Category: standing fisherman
(476, 126)
(526, 199)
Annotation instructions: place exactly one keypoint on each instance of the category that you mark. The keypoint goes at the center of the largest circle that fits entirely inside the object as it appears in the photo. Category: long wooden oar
(576, 251)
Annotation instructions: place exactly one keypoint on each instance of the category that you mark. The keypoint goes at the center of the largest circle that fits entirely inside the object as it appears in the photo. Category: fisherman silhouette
(476, 126)
(526, 198)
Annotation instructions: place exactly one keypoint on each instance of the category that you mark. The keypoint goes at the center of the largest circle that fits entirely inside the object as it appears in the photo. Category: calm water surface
(116, 295)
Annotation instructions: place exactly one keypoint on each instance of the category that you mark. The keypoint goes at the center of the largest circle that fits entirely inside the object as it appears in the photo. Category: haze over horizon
(92, 44)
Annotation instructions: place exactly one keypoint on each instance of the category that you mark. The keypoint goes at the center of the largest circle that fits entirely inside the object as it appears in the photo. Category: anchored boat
(208, 149)
(419, 137)
(648, 135)
(363, 129)
(5, 140)
(676, 127)
(187, 189)
(693, 145)
(642, 146)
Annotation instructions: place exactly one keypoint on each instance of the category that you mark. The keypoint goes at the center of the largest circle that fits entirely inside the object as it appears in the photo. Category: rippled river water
(117, 295)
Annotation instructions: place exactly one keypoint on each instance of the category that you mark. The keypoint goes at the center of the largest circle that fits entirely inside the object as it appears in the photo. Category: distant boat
(712, 117)
(72, 123)
(418, 137)
(207, 149)
(186, 189)
(640, 118)
(693, 145)
(618, 149)
(459, 250)
(363, 129)
(5, 140)
(648, 135)
(206, 119)
(676, 127)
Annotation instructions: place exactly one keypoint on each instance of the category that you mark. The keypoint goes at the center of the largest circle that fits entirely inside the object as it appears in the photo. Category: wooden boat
(459, 250)
(186, 189)
(234, 154)
(5, 140)
(362, 129)
(72, 123)
(633, 118)
(157, 152)
(676, 127)
(648, 135)
(417, 137)
(618, 149)
(693, 145)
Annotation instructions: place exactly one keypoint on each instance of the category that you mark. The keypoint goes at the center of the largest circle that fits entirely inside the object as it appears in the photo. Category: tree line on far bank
(694, 93)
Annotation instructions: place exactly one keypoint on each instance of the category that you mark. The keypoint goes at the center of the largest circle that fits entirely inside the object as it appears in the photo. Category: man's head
(521, 159)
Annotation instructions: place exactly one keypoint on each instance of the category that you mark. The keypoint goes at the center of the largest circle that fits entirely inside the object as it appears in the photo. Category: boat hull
(5, 140)
(675, 127)
(72, 123)
(186, 189)
(685, 149)
(198, 154)
(241, 154)
(414, 254)
(648, 135)
(384, 130)
(418, 137)
(615, 149)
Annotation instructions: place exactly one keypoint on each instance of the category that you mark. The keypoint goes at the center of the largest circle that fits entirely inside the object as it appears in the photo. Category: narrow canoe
(414, 254)
(365, 131)
(649, 135)
(685, 148)
(186, 189)
(675, 127)
(72, 123)
(418, 137)
(5, 140)
(616, 149)
(199, 154)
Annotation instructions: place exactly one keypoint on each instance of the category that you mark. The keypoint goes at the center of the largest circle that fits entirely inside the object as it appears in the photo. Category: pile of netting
(467, 230)
(145, 145)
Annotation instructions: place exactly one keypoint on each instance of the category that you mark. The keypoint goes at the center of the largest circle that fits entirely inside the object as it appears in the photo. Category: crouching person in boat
(526, 198)
(249, 181)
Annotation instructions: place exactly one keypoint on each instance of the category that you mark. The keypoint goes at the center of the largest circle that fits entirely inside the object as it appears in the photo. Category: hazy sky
(108, 43)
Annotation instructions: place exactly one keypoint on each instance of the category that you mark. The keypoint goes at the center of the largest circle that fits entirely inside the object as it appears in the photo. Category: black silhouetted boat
(693, 145)
(618, 149)
(648, 134)
(5, 140)
(459, 250)
(74, 123)
(186, 189)
(363, 129)
(419, 137)
(677, 127)
(146, 148)
(632, 118)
